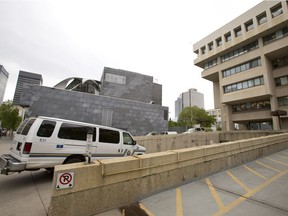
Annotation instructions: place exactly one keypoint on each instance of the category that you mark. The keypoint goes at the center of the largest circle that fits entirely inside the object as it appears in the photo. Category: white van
(43, 142)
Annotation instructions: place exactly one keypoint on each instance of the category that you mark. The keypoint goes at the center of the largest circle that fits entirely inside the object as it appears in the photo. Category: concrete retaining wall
(178, 141)
(111, 183)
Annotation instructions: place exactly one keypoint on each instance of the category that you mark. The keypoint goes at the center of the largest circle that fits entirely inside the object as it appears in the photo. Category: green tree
(9, 116)
(172, 123)
(191, 116)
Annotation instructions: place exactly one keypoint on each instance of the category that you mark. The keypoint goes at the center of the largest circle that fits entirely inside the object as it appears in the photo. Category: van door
(108, 144)
(128, 144)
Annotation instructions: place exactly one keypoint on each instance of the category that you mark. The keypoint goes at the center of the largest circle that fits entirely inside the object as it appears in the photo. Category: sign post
(89, 144)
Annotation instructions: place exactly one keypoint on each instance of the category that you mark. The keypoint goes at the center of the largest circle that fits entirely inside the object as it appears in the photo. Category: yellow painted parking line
(215, 194)
(249, 194)
(269, 167)
(279, 162)
(256, 173)
(179, 209)
(238, 181)
(281, 156)
(148, 212)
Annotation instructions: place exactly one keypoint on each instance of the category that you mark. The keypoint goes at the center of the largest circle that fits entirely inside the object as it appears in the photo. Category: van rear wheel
(72, 160)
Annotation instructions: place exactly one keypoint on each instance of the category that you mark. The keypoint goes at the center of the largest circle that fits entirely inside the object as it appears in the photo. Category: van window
(75, 132)
(109, 136)
(46, 128)
(127, 139)
(27, 127)
(22, 126)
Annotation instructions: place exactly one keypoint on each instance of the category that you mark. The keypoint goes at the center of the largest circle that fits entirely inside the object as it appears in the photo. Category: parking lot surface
(256, 188)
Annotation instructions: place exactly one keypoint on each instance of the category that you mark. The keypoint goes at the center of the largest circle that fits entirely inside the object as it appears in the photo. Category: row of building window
(243, 67)
(210, 64)
(249, 25)
(244, 84)
(250, 106)
(240, 51)
(275, 35)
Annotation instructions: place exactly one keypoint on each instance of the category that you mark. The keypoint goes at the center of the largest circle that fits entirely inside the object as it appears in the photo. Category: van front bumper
(10, 164)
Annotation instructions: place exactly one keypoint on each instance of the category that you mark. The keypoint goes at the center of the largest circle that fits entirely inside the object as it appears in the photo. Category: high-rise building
(3, 82)
(25, 77)
(247, 61)
(188, 99)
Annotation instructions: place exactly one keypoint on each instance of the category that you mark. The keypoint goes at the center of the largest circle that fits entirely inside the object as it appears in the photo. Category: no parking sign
(65, 180)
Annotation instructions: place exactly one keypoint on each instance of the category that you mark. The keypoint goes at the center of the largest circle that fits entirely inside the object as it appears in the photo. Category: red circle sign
(65, 178)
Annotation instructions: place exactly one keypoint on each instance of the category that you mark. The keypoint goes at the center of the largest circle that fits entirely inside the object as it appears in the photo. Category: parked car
(169, 132)
(193, 130)
(154, 133)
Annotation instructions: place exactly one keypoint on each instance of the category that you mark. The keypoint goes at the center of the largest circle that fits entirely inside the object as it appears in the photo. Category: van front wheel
(72, 160)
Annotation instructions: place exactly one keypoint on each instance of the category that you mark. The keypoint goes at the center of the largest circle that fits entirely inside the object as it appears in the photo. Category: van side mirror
(134, 142)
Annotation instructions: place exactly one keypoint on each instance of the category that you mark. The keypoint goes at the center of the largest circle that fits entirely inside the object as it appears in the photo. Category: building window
(243, 85)
(281, 81)
(251, 106)
(239, 51)
(210, 46)
(249, 25)
(281, 62)
(275, 35)
(277, 10)
(219, 42)
(115, 78)
(243, 67)
(107, 115)
(262, 18)
(283, 101)
(238, 31)
(228, 37)
(203, 50)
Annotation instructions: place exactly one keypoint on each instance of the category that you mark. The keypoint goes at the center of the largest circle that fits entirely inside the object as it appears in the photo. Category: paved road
(27, 193)
(257, 188)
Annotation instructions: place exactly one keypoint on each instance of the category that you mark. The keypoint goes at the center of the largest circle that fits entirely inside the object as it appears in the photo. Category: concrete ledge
(111, 183)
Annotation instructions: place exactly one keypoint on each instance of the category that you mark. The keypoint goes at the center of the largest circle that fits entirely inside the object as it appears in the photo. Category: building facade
(4, 75)
(247, 61)
(113, 106)
(25, 78)
(188, 99)
(130, 86)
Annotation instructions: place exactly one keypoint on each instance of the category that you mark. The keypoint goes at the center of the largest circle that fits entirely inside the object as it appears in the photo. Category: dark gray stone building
(124, 101)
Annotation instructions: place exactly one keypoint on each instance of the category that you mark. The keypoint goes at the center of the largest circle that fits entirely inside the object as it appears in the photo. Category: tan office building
(247, 61)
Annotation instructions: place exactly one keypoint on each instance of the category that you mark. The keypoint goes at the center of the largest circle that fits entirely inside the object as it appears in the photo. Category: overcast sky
(61, 39)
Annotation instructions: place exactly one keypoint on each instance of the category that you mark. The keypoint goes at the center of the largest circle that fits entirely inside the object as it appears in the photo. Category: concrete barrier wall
(111, 183)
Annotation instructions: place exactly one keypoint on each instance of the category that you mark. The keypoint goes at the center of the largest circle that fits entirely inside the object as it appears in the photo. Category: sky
(78, 38)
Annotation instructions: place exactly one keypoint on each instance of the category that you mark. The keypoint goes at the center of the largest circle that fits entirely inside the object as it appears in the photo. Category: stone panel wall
(137, 117)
